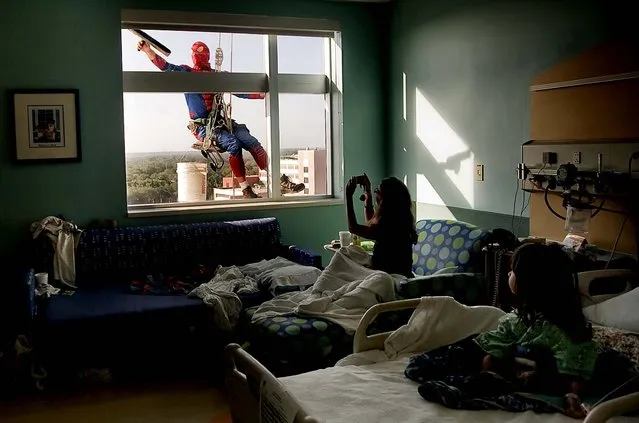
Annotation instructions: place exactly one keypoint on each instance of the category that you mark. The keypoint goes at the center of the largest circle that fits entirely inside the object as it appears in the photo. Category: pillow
(448, 270)
(295, 275)
(281, 275)
(619, 312)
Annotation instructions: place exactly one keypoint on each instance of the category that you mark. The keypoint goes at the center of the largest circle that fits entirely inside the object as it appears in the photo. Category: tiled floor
(171, 402)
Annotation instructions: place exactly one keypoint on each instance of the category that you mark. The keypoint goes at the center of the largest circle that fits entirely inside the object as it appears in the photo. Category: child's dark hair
(546, 287)
(395, 208)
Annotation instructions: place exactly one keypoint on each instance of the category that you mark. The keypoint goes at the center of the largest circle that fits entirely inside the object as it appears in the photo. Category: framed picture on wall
(47, 126)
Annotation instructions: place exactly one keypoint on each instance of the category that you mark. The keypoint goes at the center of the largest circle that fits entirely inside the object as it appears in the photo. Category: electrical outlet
(479, 172)
(549, 157)
(576, 157)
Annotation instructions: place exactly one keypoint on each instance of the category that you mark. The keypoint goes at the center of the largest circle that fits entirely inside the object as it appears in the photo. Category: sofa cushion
(112, 302)
(448, 243)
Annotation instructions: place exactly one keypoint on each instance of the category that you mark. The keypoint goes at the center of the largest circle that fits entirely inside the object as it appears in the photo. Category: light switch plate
(479, 172)
(576, 157)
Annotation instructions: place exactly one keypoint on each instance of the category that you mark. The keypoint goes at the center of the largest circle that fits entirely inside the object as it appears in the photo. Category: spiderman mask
(200, 55)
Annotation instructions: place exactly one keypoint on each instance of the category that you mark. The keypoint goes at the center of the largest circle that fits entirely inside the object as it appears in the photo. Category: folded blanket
(342, 293)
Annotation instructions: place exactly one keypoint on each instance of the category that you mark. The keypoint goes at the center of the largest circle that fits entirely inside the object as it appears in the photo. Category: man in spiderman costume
(231, 140)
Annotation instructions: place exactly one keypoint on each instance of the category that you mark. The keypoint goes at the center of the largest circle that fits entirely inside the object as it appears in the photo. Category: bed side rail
(585, 279)
(363, 342)
(244, 378)
(614, 407)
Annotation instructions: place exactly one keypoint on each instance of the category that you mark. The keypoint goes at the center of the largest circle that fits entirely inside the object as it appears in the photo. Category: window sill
(224, 208)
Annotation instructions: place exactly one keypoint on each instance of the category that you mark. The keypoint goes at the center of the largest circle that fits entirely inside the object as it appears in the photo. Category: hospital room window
(199, 100)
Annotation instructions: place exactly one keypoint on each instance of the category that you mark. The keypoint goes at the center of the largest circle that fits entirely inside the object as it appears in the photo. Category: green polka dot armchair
(445, 244)
(448, 260)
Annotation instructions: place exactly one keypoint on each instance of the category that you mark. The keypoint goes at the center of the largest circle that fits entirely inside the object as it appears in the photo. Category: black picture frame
(46, 125)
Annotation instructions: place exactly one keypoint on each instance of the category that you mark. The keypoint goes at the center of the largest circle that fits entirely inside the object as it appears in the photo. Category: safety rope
(231, 94)
(227, 113)
(214, 154)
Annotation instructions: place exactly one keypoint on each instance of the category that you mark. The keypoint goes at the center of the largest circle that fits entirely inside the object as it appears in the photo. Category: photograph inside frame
(46, 126)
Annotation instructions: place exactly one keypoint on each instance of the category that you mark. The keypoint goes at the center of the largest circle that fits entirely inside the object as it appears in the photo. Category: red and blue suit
(201, 105)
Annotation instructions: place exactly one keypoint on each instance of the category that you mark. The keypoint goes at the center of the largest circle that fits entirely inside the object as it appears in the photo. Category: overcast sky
(155, 122)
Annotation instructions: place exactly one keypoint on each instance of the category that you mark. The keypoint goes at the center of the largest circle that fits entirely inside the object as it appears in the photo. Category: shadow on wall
(445, 187)
(469, 64)
(451, 154)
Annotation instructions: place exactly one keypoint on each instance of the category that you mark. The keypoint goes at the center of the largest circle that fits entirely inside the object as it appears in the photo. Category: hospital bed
(372, 393)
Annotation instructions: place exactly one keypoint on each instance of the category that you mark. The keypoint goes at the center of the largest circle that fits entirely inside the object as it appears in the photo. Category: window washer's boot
(289, 186)
(248, 193)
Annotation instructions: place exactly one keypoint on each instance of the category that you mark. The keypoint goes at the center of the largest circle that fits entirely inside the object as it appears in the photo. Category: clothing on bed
(448, 394)
(575, 359)
(64, 237)
(161, 285)
(461, 358)
(450, 376)
(221, 294)
(164, 284)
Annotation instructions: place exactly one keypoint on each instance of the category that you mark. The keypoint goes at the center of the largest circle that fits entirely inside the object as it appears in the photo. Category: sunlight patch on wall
(446, 147)
(425, 192)
(336, 61)
(404, 94)
(429, 204)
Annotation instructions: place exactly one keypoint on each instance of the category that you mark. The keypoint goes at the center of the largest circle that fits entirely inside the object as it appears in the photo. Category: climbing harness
(219, 117)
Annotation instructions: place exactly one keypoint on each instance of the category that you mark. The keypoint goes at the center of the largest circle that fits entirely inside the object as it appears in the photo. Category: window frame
(272, 83)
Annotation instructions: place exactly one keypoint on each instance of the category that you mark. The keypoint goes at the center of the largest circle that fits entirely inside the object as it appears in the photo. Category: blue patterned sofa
(289, 345)
(105, 311)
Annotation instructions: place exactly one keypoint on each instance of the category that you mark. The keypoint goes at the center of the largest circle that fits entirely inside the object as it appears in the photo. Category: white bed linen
(380, 393)
(342, 293)
(436, 322)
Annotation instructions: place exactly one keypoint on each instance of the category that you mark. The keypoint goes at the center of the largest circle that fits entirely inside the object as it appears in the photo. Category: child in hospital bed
(547, 327)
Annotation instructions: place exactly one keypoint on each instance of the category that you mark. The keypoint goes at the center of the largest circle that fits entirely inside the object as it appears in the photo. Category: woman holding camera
(390, 223)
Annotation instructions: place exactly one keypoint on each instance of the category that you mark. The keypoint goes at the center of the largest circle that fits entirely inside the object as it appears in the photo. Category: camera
(361, 180)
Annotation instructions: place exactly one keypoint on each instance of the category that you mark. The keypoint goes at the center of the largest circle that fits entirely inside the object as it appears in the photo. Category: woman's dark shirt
(393, 251)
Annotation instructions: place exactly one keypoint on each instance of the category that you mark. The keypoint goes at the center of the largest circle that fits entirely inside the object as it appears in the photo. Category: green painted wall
(65, 43)
(474, 61)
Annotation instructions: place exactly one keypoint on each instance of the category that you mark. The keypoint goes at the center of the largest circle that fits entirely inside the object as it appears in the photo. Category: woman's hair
(546, 288)
(394, 212)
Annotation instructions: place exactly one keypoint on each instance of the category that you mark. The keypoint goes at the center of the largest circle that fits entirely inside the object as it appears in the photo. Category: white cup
(42, 278)
(345, 238)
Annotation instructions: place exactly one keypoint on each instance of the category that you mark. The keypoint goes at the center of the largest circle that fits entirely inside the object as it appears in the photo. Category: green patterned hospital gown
(574, 359)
